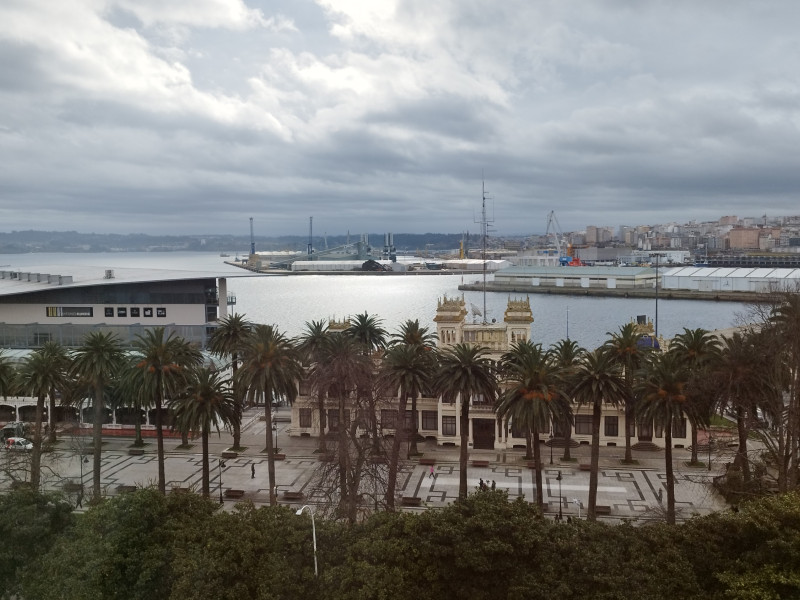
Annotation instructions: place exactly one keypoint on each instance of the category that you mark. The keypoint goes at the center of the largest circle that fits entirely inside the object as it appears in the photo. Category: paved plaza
(628, 492)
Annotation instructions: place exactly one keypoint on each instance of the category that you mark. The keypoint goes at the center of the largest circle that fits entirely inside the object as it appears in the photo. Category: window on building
(109, 310)
(659, 430)
(122, 311)
(135, 312)
(448, 425)
(583, 424)
(148, 312)
(612, 426)
(409, 421)
(516, 430)
(388, 419)
(679, 428)
(161, 312)
(40, 338)
(430, 420)
(333, 419)
(305, 417)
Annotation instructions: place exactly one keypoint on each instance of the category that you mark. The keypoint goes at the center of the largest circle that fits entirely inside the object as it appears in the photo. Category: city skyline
(189, 118)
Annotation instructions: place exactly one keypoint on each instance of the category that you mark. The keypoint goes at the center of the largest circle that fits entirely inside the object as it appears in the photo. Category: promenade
(624, 491)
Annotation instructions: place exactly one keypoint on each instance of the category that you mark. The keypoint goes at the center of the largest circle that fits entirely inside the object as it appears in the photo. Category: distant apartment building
(744, 238)
(729, 221)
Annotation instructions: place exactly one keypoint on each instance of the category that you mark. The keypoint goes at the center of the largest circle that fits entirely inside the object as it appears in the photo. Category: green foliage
(30, 523)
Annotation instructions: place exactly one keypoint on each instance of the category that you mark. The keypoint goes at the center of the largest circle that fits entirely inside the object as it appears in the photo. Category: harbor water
(291, 301)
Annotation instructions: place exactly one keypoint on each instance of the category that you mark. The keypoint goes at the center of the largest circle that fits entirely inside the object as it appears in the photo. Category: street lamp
(313, 533)
(558, 479)
(710, 441)
(221, 466)
(551, 446)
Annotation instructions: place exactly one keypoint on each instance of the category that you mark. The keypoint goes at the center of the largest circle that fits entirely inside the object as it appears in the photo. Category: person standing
(431, 473)
(252, 470)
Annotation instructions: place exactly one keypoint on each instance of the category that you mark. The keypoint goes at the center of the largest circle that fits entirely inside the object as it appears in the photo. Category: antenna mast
(310, 231)
(252, 238)
(484, 222)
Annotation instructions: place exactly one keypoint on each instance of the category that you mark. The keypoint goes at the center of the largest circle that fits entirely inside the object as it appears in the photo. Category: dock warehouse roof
(741, 279)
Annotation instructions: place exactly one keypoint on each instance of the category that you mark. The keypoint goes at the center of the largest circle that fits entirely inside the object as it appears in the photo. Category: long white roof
(737, 272)
(40, 278)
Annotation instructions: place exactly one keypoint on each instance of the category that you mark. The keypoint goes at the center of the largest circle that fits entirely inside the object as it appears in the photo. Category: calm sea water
(291, 301)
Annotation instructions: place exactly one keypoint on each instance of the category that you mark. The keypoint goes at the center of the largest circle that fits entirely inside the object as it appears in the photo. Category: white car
(18, 444)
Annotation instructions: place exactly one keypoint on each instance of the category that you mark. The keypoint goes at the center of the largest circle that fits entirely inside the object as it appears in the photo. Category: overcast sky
(161, 116)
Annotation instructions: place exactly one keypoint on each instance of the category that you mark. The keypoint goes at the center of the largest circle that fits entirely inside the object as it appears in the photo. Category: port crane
(563, 247)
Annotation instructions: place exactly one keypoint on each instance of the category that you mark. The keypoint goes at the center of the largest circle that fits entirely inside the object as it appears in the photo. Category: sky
(190, 117)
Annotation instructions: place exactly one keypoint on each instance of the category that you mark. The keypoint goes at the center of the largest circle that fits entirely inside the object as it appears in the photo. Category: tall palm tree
(466, 372)
(598, 379)
(661, 386)
(271, 368)
(534, 395)
(310, 345)
(626, 350)
(566, 354)
(96, 363)
(697, 348)
(7, 375)
(342, 373)
(206, 403)
(40, 375)
(163, 362)
(367, 331)
(227, 341)
(411, 333)
(409, 367)
(59, 356)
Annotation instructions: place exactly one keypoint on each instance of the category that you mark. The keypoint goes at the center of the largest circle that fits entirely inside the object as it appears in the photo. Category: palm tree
(41, 374)
(271, 368)
(163, 361)
(206, 403)
(310, 345)
(342, 373)
(626, 350)
(96, 363)
(412, 334)
(410, 368)
(467, 373)
(696, 348)
(534, 396)
(367, 331)
(597, 380)
(228, 340)
(566, 354)
(661, 386)
(7, 375)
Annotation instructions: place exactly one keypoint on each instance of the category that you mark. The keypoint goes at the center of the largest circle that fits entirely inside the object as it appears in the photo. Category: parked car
(18, 444)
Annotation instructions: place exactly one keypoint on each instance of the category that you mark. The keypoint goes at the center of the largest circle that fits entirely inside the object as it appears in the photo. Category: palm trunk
(238, 397)
(741, 460)
(138, 441)
(528, 445)
(36, 455)
(343, 461)
(162, 477)
(694, 458)
(206, 478)
(670, 474)
(567, 442)
(97, 439)
(273, 497)
(322, 422)
(537, 458)
(414, 428)
(595, 461)
(51, 417)
(628, 420)
(464, 453)
(399, 433)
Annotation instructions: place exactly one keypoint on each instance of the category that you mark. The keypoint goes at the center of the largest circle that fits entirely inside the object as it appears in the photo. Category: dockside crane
(563, 247)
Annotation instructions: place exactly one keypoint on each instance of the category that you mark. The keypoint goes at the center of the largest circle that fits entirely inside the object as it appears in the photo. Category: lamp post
(558, 479)
(313, 534)
(551, 446)
(710, 441)
(221, 466)
(275, 432)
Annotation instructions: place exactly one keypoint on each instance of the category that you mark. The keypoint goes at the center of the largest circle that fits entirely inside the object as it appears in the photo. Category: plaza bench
(279, 456)
(230, 454)
(291, 495)
(602, 510)
(480, 463)
(411, 501)
(584, 467)
(427, 461)
(234, 494)
(531, 464)
(135, 451)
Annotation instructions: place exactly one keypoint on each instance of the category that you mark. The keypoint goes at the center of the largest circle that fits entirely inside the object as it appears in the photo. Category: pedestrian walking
(430, 475)
(252, 470)
(494, 485)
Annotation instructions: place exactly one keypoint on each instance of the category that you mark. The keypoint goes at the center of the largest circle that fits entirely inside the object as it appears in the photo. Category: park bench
(584, 467)
(279, 456)
(229, 454)
(291, 495)
(234, 494)
(427, 461)
(480, 463)
(531, 464)
(411, 501)
(135, 451)
(602, 510)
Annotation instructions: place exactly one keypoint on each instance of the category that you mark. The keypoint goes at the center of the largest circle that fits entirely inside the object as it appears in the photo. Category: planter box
(229, 454)
(480, 463)
(411, 501)
(135, 451)
(234, 494)
(289, 495)
(427, 461)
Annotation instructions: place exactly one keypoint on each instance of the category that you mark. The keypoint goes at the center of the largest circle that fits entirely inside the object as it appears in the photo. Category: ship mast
(484, 222)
